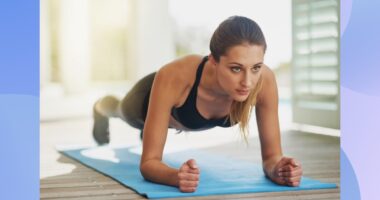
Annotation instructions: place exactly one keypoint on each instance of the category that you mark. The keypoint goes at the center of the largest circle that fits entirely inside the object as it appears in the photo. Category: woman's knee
(108, 105)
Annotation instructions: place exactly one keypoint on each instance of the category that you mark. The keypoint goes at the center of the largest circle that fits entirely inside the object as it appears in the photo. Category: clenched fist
(188, 176)
(287, 171)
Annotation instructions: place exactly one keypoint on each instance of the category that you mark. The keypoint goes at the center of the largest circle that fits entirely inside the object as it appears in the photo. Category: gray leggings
(134, 105)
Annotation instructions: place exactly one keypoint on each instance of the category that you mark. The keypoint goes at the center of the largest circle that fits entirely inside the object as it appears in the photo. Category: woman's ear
(212, 59)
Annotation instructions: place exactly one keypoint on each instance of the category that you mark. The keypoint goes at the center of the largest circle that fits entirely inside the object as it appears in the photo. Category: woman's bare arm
(267, 120)
(280, 169)
(162, 98)
(167, 88)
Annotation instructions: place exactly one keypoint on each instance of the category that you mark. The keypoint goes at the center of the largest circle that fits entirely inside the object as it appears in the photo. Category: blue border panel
(19, 47)
(19, 99)
(360, 99)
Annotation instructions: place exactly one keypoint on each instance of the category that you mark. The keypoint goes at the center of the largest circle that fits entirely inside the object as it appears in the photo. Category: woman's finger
(188, 176)
(286, 168)
(187, 189)
(194, 171)
(292, 179)
(185, 183)
(293, 172)
(289, 168)
(288, 161)
(187, 169)
(294, 163)
(192, 164)
(284, 161)
(280, 181)
(293, 184)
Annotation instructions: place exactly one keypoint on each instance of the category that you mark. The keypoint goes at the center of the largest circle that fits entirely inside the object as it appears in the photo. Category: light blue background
(19, 99)
(360, 99)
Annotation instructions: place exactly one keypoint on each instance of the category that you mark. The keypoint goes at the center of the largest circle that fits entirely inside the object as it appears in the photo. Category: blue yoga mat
(219, 175)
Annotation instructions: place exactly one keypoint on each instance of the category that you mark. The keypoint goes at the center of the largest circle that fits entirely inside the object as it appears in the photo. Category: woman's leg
(108, 106)
(132, 109)
(134, 105)
(103, 109)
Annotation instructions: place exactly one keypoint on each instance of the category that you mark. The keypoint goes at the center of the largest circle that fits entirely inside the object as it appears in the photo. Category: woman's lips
(242, 92)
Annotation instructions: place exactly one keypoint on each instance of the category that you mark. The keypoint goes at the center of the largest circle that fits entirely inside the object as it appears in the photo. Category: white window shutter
(316, 62)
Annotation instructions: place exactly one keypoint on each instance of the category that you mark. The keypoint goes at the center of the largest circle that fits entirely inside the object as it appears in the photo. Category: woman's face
(238, 71)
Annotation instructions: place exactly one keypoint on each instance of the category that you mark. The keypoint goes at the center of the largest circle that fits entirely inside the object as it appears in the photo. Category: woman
(197, 93)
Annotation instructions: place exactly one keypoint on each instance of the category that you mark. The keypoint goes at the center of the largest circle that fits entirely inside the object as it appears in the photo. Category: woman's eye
(235, 69)
(256, 68)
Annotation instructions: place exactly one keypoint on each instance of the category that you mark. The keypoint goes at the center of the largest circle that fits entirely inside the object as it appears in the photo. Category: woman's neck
(211, 85)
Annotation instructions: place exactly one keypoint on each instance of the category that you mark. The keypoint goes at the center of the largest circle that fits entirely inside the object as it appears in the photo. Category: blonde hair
(241, 111)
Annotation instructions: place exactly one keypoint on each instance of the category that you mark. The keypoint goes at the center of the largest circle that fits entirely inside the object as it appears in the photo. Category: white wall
(45, 61)
(74, 55)
(150, 41)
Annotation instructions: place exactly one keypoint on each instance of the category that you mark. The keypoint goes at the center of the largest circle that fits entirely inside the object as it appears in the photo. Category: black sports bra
(189, 116)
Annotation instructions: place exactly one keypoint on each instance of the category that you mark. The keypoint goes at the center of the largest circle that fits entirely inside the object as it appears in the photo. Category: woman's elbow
(143, 170)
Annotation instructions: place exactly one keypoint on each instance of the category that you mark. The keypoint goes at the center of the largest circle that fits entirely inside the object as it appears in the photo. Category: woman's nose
(247, 81)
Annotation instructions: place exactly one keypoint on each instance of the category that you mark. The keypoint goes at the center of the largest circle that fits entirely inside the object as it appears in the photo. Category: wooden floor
(64, 178)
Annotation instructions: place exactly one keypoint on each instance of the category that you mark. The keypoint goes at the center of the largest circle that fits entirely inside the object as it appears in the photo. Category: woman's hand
(188, 176)
(287, 171)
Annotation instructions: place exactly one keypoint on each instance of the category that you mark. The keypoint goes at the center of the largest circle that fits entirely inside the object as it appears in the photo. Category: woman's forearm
(158, 172)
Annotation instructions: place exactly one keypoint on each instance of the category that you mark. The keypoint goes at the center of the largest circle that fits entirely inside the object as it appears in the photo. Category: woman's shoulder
(268, 75)
(182, 70)
(269, 86)
(176, 78)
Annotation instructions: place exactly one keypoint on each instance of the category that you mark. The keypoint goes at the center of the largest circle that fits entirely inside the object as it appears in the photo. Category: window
(316, 64)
